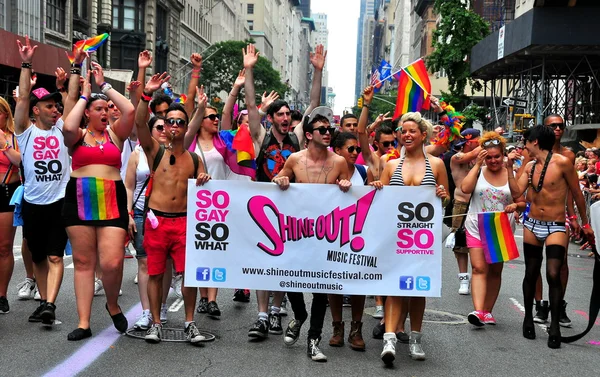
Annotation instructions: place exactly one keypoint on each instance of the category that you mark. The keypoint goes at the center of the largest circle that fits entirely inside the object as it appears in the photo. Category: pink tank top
(105, 154)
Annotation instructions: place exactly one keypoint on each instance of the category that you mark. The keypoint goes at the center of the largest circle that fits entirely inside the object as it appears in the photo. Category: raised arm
(196, 60)
(227, 115)
(363, 137)
(470, 181)
(61, 78)
(148, 143)
(256, 129)
(317, 59)
(71, 130)
(22, 109)
(144, 61)
(196, 121)
(464, 158)
(134, 97)
(517, 185)
(75, 82)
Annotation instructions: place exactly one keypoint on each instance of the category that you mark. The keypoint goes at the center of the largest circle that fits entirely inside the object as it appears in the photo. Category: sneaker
(240, 295)
(346, 302)
(292, 332)
(314, 352)
(192, 334)
(154, 333)
(563, 320)
(163, 313)
(144, 322)
(135, 279)
(378, 330)
(48, 314)
(98, 288)
(35, 316)
(283, 308)
(4, 308)
(260, 329)
(176, 282)
(202, 306)
(275, 324)
(378, 312)
(26, 289)
(489, 319)
(541, 312)
(402, 337)
(465, 286)
(36, 295)
(213, 309)
(414, 343)
(476, 318)
(388, 355)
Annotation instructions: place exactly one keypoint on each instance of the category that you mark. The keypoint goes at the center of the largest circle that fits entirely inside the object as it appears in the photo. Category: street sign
(514, 102)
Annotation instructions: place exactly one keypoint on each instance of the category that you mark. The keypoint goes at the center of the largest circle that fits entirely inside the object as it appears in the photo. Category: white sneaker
(378, 312)
(144, 322)
(135, 280)
(37, 296)
(465, 284)
(163, 314)
(98, 288)
(389, 348)
(27, 289)
(416, 349)
(176, 284)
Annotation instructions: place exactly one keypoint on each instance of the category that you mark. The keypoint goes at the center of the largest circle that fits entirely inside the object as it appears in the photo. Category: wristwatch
(105, 87)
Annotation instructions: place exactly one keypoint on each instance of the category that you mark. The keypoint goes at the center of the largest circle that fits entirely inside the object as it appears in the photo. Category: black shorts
(6, 193)
(91, 201)
(44, 229)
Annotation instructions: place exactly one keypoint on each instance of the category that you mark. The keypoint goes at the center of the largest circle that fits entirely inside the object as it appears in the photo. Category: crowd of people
(99, 170)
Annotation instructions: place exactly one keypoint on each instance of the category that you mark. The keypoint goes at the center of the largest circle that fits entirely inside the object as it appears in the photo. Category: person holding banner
(548, 180)
(490, 196)
(415, 167)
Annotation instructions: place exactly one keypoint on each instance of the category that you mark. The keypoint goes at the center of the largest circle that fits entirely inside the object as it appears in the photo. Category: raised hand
(33, 80)
(241, 79)
(79, 55)
(368, 94)
(86, 87)
(98, 73)
(201, 97)
(156, 81)
(436, 104)
(196, 60)
(481, 157)
(15, 96)
(317, 59)
(267, 100)
(250, 56)
(61, 77)
(144, 59)
(132, 87)
(26, 51)
(382, 118)
(512, 156)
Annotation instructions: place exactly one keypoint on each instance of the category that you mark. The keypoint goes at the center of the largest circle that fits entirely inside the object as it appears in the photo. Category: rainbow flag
(237, 149)
(414, 88)
(89, 45)
(96, 199)
(497, 237)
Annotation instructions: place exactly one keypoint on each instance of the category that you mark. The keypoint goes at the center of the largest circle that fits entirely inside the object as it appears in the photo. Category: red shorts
(167, 238)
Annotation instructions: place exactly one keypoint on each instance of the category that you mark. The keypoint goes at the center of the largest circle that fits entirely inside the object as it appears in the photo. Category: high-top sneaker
(416, 349)
(313, 350)
(465, 286)
(541, 312)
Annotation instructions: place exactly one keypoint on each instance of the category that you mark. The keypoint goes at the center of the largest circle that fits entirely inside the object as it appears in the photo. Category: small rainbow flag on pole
(89, 45)
(414, 88)
(497, 237)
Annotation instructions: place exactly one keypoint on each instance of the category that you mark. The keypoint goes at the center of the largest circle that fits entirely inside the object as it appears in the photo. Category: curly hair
(424, 125)
(492, 135)
(5, 108)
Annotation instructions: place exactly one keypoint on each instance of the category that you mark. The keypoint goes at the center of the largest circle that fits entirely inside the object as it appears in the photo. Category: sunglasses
(559, 125)
(491, 142)
(175, 121)
(352, 148)
(212, 117)
(387, 144)
(323, 130)
(99, 96)
(160, 127)
(111, 105)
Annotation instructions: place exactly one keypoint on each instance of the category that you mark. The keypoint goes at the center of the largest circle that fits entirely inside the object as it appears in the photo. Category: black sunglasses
(111, 105)
(323, 130)
(212, 117)
(559, 125)
(160, 128)
(352, 148)
(386, 144)
(175, 121)
(491, 142)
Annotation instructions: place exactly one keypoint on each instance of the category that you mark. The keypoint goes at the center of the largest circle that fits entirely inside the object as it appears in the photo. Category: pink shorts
(472, 242)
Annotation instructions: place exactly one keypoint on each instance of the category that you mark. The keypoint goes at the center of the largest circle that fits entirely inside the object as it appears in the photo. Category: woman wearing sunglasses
(488, 186)
(95, 209)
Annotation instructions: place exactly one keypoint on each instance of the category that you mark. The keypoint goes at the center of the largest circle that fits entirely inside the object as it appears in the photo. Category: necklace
(321, 172)
(99, 143)
(542, 174)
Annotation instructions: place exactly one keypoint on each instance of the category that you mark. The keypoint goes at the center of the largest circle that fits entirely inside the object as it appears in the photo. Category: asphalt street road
(453, 346)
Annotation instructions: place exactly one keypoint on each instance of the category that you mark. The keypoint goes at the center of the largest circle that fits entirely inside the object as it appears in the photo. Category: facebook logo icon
(202, 274)
(219, 275)
(423, 283)
(406, 283)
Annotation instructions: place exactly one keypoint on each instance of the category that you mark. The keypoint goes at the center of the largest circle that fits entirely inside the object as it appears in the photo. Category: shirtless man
(316, 164)
(557, 124)
(547, 182)
(460, 165)
(168, 202)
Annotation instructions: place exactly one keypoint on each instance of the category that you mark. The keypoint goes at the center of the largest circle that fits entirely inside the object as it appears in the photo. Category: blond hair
(424, 125)
(492, 135)
(10, 122)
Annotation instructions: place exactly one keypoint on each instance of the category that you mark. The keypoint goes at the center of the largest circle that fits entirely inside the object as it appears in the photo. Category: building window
(2, 13)
(55, 15)
(128, 15)
(162, 47)
(250, 25)
(80, 9)
(250, 9)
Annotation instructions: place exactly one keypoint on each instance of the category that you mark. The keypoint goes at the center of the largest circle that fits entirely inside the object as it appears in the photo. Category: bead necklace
(99, 143)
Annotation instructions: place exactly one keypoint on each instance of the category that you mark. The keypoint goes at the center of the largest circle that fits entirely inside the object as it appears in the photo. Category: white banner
(314, 238)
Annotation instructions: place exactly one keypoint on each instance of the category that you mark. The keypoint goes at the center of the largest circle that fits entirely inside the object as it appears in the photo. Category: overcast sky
(342, 21)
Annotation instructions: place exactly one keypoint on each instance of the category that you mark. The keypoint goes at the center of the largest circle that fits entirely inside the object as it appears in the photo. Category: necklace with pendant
(99, 143)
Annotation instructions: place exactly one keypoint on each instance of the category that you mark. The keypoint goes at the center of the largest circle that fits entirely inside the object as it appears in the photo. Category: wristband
(586, 226)
(26, 65)
(84, 98)
(145, 97)
(195, 76)
(367, 105)
(131, 213)
(75, 65)
(105, 87)
(102, 85)
(76, 71)
(574, 217)
(196, 70)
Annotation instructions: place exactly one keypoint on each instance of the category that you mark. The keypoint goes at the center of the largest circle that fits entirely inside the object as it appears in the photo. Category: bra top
(428, 178)
(85, 154)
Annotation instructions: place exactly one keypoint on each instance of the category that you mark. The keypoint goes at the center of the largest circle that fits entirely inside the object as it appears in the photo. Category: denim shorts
(138, 242)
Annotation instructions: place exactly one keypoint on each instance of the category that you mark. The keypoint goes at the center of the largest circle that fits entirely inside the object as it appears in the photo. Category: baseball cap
(468, 134)
(41, 94)
(323, 111)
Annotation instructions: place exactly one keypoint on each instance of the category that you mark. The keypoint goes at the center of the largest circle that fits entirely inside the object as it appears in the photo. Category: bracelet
(368, 106)
(131, 213)
(26, 65)
(196, 69)
(75, 65)
(146, 98)
(195, 76)
(105, 87)
(102, 85)
(574, 217)
(586, 226)
(84, 98)
(76, 71)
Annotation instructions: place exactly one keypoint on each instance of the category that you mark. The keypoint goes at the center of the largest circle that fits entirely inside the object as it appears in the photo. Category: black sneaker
(4, 308)
(213, 309)
(241, 295)
(292, 332)
(541, 312)
(202, 306)
(48, 314)
(275, 324)
(378, 330)
(35, 317)
(564, 320)
(346, 302)
(260, 329)
(313, 351)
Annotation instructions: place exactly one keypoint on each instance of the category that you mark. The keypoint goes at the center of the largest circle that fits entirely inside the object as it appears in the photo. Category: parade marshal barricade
(314, 238)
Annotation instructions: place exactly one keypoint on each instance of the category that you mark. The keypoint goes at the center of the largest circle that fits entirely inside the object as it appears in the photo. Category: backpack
(267, 141)
(363, 172)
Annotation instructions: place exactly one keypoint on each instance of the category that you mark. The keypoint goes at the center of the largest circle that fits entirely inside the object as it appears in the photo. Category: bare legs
(7, 259)
(485, 282)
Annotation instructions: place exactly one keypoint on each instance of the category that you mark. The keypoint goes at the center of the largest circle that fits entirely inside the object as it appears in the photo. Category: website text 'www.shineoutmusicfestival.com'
(311, 274)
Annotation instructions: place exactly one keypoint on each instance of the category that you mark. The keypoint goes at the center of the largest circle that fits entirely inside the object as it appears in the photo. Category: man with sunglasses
(316, 164)
(460, 165)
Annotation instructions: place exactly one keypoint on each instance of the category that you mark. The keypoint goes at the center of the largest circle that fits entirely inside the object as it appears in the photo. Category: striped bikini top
(428, 178)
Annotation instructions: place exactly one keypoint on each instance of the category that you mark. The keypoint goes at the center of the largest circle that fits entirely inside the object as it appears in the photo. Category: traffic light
(360, 103)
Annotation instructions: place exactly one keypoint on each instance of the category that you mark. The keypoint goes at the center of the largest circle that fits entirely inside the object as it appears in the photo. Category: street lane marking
(176, 305)
(518, 305)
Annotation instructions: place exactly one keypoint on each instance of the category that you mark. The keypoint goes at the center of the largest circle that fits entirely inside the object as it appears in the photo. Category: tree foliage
(458, 31)
(379, 106)
(221, 66)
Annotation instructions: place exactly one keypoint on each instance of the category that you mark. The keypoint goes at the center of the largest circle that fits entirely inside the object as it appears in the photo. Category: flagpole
(409, 75)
